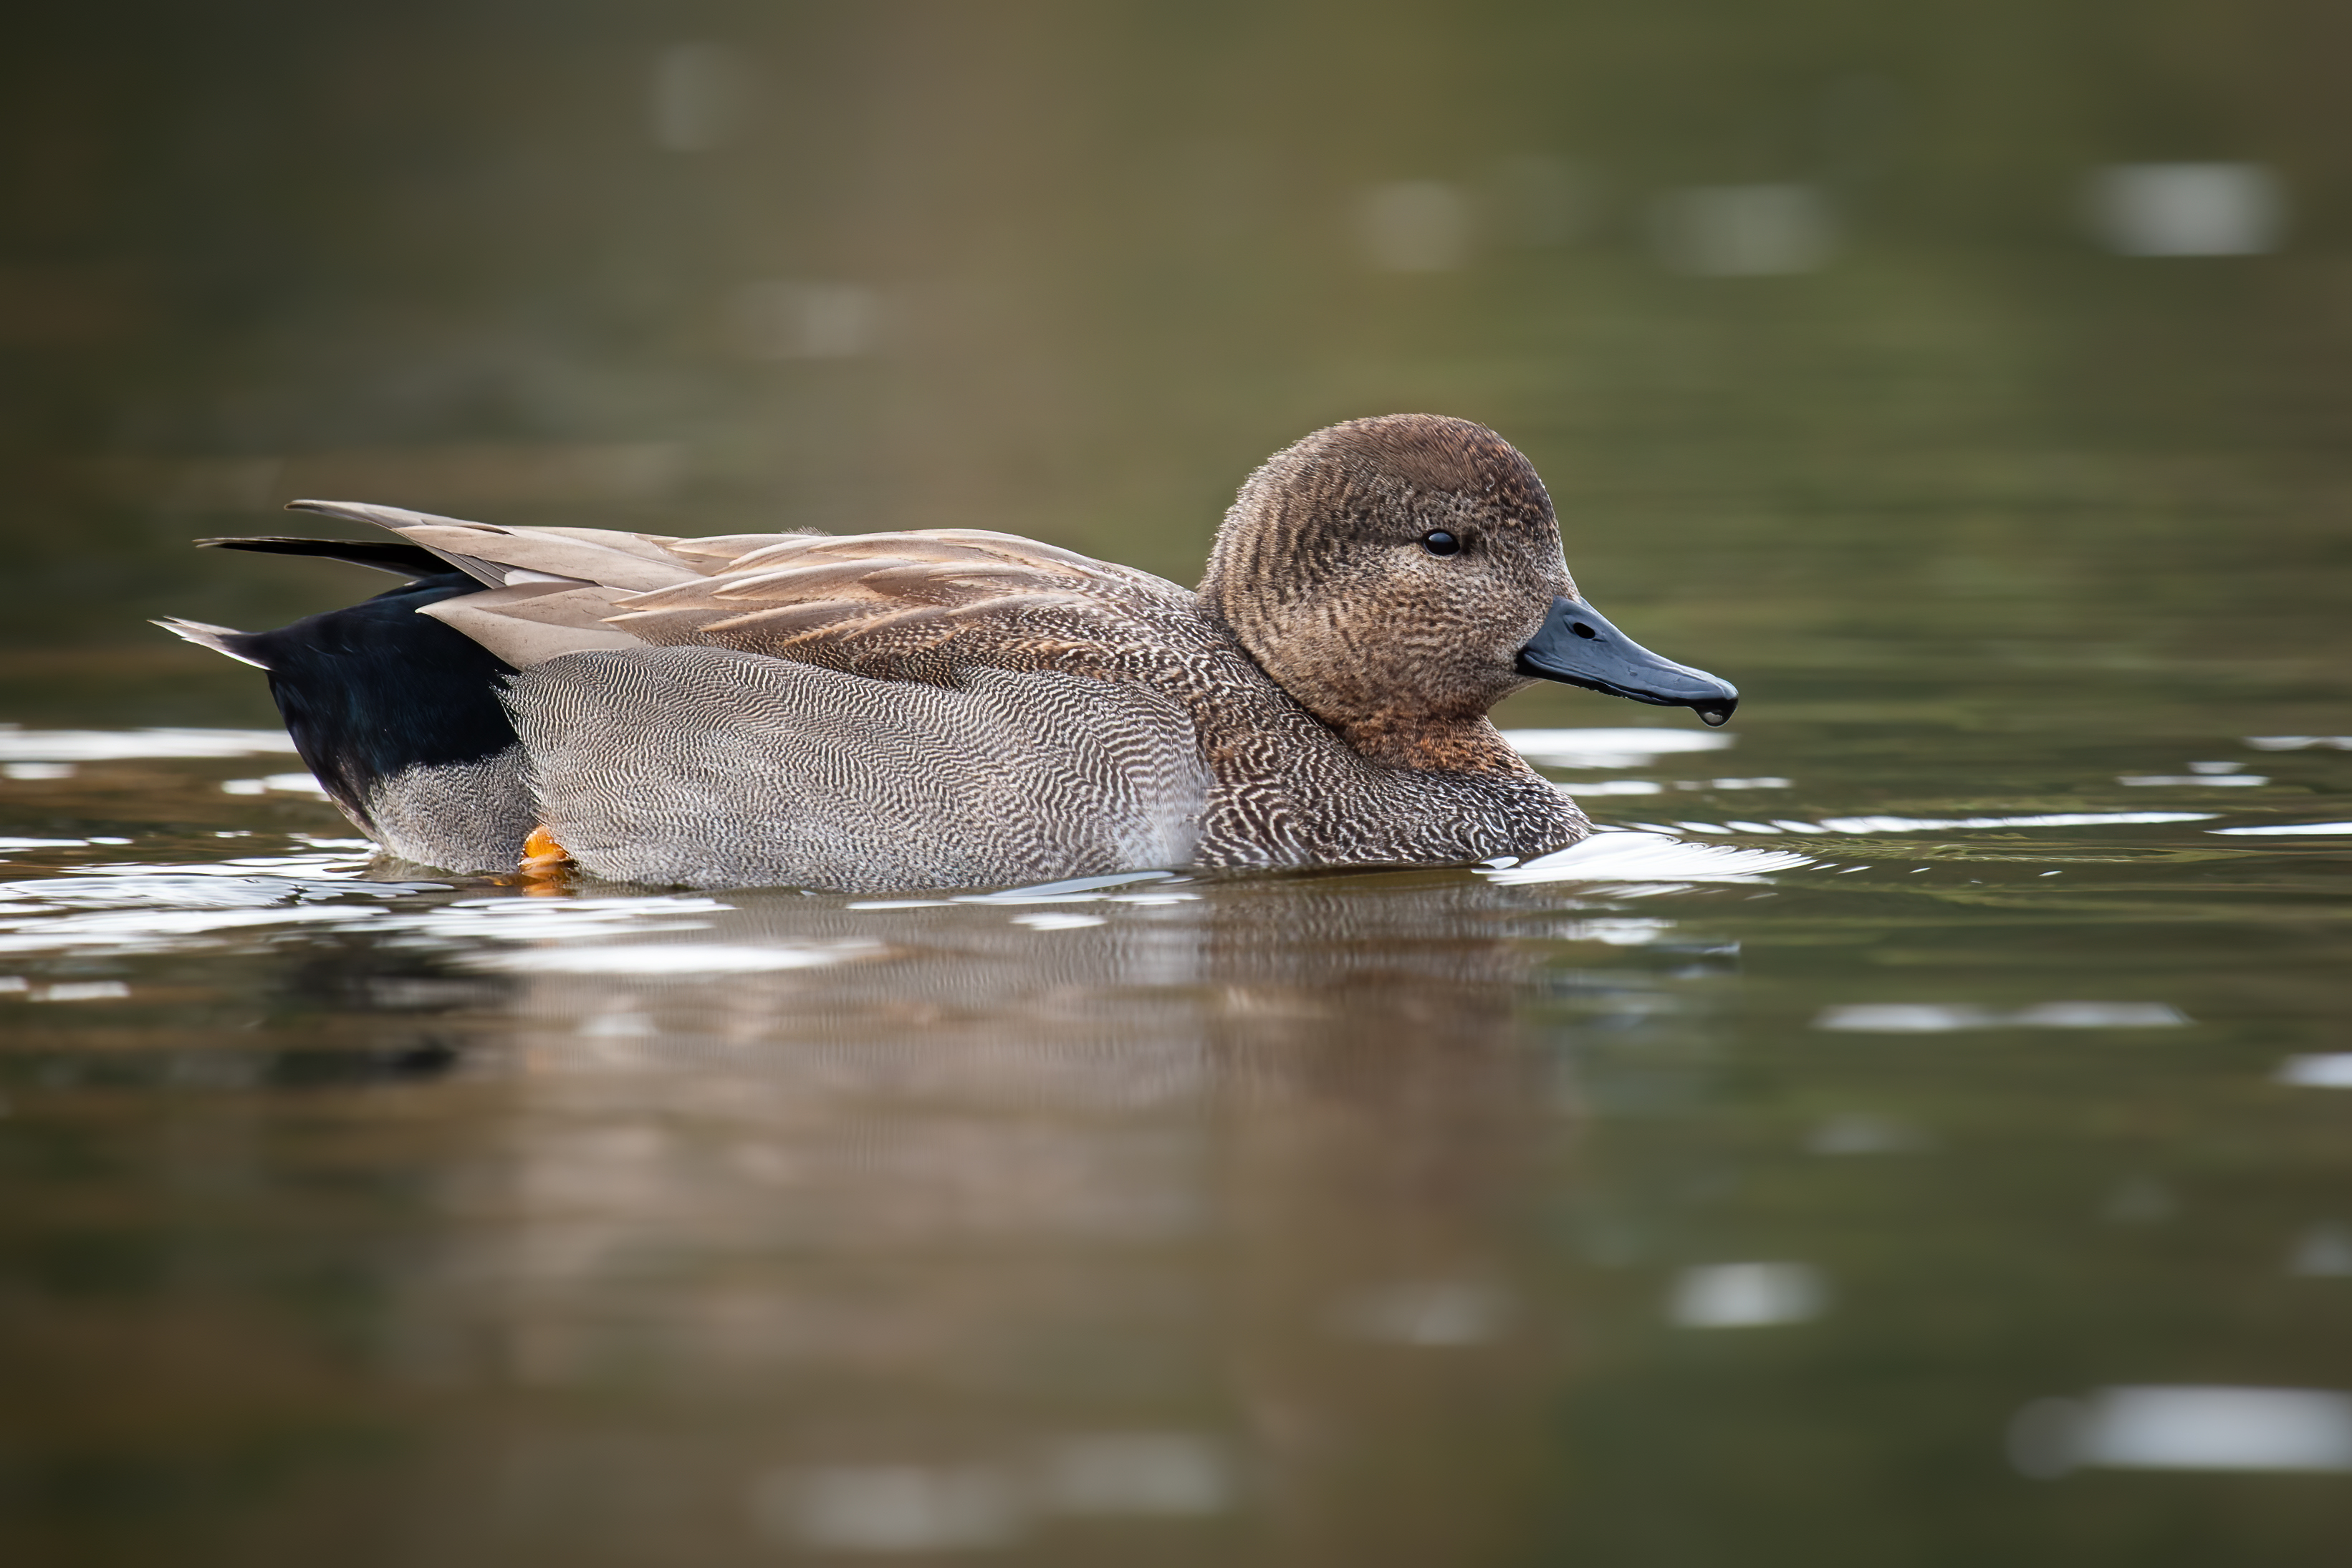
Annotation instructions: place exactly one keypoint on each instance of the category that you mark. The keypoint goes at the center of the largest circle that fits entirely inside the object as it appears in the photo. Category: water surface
(1740, 1181)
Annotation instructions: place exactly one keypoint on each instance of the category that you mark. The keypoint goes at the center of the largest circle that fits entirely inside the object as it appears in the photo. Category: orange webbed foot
(543, 858)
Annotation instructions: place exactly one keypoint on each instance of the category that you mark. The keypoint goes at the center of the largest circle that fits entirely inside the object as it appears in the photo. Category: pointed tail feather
(225, 641)
(386, 555)
(397, 518)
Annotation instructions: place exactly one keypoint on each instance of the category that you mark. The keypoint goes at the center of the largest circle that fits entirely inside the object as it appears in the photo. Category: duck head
(1401, 576)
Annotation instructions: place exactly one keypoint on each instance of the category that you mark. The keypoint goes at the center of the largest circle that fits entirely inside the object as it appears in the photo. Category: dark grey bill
(1579, 647)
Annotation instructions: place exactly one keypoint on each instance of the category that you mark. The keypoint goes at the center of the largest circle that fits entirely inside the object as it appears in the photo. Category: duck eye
(1437, 541)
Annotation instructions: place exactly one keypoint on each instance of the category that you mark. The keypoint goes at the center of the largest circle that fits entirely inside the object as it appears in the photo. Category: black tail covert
(376, 689)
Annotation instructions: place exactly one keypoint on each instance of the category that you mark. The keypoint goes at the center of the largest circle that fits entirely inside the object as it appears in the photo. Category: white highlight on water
(1747, 1295)
(1648, 857)
(2155, 1427)
(1610, 747)
(1935, 1017)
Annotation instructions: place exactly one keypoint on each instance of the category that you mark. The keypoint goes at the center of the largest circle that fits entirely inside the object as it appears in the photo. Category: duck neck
(1426, 745)
(1381, 731)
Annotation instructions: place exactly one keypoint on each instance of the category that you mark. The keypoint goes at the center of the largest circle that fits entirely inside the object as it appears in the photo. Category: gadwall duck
(948, 707)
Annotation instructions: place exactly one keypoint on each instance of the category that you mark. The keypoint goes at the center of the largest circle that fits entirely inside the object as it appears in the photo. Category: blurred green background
(1809, 312)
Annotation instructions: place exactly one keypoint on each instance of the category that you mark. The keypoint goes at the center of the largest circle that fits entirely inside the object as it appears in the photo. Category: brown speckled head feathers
(1320, 571)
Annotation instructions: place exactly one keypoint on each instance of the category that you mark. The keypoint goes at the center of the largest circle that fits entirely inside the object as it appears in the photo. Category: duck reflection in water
(972, 1149)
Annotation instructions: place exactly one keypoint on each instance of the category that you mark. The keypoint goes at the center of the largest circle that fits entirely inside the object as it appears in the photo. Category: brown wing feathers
(883, 604)
(888, 605)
